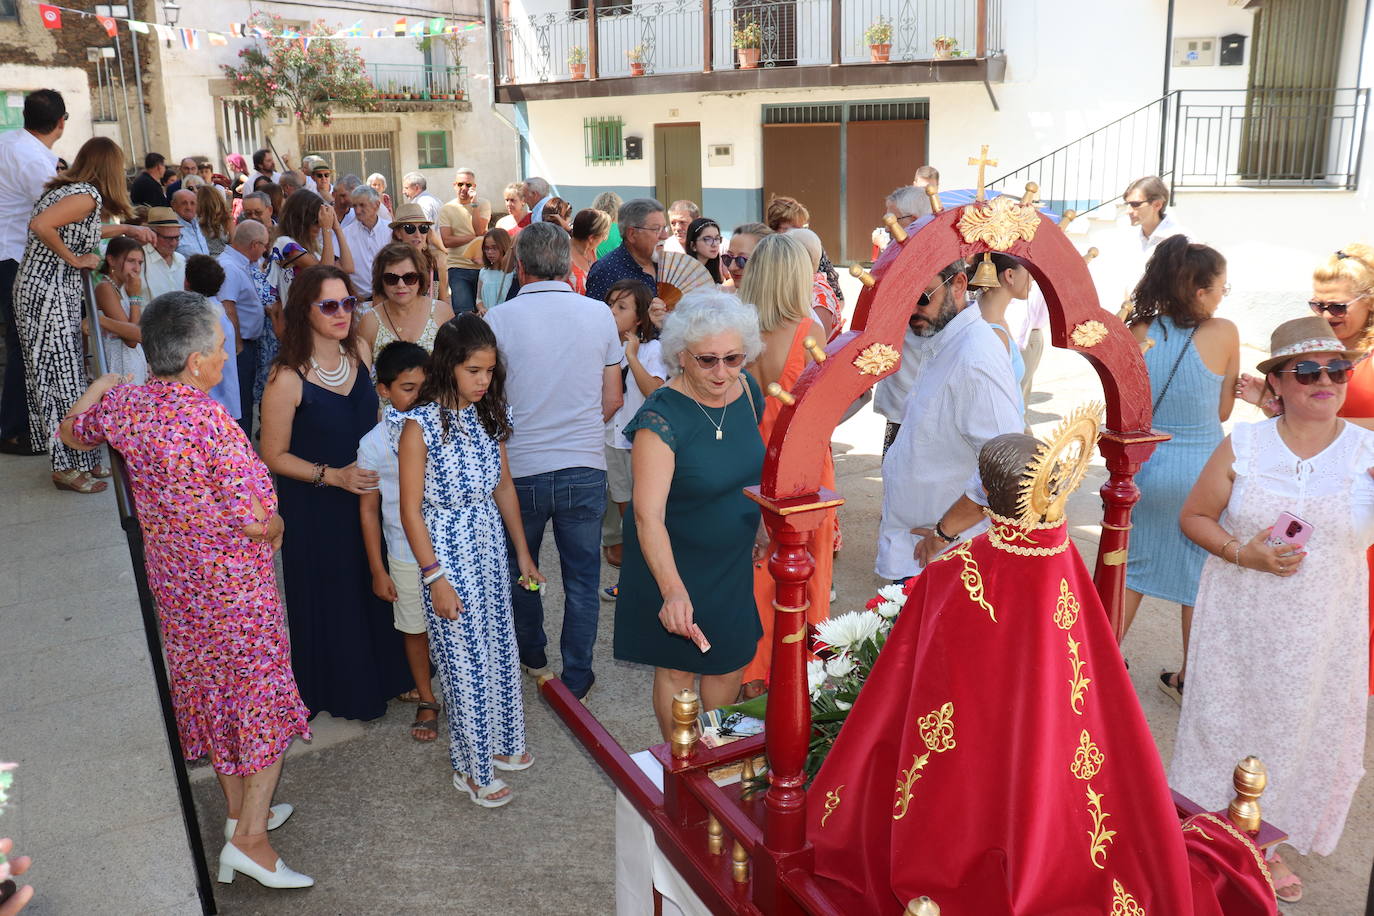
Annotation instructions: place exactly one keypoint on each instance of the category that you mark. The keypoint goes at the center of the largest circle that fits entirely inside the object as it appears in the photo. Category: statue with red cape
(996, 759)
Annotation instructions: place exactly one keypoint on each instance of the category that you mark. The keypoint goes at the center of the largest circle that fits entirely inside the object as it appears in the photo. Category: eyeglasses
(741, 259)
(1307, 372)
(1334, 309)
(412, 228)
(902, 216)
(170, 238)
(708, 240)
(657, 230)
(464, 184)
(1225, 289)
(732, 360)
(924, 299)
(332, 306)
(409, 278)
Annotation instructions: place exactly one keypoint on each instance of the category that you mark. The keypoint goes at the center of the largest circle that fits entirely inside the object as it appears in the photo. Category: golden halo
(1059, 466)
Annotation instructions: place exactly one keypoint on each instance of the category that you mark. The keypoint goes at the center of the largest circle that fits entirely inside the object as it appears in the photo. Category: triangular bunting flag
(217, 38)
(139, 27)
(51, 16)
(436, 25)
(236, 29)
(190, 40)
(108, 24)
(164, 32)
(355, 30)
(418, 29)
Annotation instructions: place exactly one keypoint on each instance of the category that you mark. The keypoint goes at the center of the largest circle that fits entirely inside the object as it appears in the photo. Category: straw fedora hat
(162, 216)
(409, 213)
(1303, 337)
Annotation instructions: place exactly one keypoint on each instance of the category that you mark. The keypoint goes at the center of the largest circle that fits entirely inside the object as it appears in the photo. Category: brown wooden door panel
(803, 161)
(677, 162)
(881, 155)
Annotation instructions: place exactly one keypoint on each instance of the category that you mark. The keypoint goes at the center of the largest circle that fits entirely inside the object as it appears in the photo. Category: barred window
(602, 140)
(433, 149)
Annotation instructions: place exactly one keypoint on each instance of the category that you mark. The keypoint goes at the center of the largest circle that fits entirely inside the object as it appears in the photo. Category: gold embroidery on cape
(1188, 825)
(999, 224)
(1231, 829)
(971, 576)
(1066, 608)
(832, 801)
(1123, 904)
(1008, 536)
(1099, 836)
(937, 729)
(904, 784)
(1087, 760)
(1078, 684)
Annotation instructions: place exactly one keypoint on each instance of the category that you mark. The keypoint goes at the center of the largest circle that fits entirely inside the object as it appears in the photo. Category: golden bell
(986, 274)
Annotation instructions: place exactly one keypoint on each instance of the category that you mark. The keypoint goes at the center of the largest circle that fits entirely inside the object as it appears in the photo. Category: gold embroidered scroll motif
(1066, 608)
(937, 729)
(1123, 904)
(971, 576)
(1099, 836)
(1087, 760)
(1078, 684)
(832, 801)
(904, 784)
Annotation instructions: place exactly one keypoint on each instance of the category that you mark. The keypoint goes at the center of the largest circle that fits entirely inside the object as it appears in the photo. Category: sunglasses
(1135, 204)
(1334, 309)
(732, 360)
(741, 259)
(464, 184)
(409, 279)
(412, 228)
(1307, 372)
(332, 306)
(924, 299)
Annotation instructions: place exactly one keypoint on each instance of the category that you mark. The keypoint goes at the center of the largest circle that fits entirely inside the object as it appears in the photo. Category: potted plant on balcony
(878, 36)
(636, 58)
(944, 46)
(577, 62)
(748, 38)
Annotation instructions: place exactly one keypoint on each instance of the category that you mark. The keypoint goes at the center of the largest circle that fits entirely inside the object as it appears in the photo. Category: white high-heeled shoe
(276, 816)
(232, 859)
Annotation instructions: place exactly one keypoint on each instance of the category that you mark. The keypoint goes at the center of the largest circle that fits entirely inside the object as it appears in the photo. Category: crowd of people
(403, 394)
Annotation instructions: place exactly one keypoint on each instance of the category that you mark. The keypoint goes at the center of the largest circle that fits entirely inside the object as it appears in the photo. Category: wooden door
(881, 156)
(677, 162)
(803, 161)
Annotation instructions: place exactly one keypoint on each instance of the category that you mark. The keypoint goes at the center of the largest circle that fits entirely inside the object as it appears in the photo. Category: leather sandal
(78, 481)
(427, 727)
(1171, 685)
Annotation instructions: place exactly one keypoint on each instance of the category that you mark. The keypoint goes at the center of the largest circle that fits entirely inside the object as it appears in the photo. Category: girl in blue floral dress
(456, 490)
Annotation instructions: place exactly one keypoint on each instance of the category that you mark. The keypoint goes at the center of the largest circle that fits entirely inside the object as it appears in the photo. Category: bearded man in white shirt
(964, 394)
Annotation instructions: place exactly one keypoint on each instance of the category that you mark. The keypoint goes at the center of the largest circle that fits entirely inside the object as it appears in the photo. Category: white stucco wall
(76, 93)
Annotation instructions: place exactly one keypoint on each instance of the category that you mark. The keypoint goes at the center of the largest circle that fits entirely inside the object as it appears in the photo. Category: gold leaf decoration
(1078, 684)
(876, 359)
(999, 224)
(1087, 760)
(1088, 334)
(904, 784)
(1123, 904)
(937, 729)
(832, 801)
(1099, 836)
(1066, 608)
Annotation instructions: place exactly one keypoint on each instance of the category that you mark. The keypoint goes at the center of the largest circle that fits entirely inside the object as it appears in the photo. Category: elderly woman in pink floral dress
(208, 512)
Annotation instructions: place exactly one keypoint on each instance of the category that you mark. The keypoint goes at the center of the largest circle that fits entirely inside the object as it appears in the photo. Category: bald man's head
(250, 239)
(184, 203)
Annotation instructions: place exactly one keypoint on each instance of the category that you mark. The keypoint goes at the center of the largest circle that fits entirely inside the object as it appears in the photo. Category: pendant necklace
(335, 377)
(719, 434)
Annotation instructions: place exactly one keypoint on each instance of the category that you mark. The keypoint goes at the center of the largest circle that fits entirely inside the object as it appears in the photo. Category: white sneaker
(275, 818)
(232, 859)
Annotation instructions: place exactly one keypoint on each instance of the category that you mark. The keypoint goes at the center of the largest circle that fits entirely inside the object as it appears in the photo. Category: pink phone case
(1289, 529)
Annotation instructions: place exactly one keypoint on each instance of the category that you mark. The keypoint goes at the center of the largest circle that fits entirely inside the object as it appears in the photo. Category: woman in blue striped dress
(1193, 359)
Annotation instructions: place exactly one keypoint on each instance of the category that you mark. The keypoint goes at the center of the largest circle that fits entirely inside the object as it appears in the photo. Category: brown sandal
(78, 481)
(425, 730)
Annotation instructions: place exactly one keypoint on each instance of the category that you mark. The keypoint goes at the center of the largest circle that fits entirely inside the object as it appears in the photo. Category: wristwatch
(947, 538)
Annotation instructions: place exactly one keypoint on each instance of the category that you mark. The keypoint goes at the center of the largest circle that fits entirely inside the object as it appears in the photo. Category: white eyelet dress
(1279, 667)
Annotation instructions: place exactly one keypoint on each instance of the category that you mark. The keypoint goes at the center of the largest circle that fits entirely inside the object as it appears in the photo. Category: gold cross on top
(982, 161)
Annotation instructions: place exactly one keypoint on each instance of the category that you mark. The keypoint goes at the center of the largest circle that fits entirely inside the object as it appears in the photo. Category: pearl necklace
(334, 377)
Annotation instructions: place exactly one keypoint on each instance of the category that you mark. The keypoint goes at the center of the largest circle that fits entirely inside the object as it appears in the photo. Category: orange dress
(1359, 405)
(822, 541)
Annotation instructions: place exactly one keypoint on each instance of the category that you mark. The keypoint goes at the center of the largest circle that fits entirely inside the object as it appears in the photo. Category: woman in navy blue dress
(346, 654)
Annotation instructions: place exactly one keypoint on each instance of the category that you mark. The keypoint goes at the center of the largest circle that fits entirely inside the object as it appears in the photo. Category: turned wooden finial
(686, 708)
(1089, 255)
(748, 772)
(857, 271)
(816, 350)
(894, 228)
(782, 394)
(933, 192)
(1249, 779)
(1068, 217)
(922, 906)
(1029, 198)
(715, 836)
(739, 863)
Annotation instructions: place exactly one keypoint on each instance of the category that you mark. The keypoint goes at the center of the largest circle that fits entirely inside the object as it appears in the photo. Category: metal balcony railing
(418, 82)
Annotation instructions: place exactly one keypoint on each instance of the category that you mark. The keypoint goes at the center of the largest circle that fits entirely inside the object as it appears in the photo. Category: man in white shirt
(911, 206)
(963, 395)
(367, 235)
(264, 166)
(563, 384)
(537, 193)
(1147, 199)
(27, 162)
(192, 237)
(164, 268)
(416, 190)
(680, 216)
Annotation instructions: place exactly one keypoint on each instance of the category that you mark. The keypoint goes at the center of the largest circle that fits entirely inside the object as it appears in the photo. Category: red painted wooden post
(1124, 453)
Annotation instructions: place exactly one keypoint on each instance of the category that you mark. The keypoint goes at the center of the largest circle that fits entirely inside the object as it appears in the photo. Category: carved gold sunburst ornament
(1000, 223)
(876, 359)
(1088, 334)
(1059, 466)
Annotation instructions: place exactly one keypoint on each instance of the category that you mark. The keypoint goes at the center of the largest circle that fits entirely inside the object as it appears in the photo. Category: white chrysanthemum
(848, 630)
(815, 676)
(894, 593)
(843, 706)
(840, 666)
(888, 609)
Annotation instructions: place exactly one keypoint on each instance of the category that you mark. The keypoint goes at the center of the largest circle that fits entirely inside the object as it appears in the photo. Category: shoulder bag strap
(1186, 344)
(750, 395)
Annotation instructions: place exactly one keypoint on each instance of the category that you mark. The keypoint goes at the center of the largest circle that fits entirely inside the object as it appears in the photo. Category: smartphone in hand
(1289, 529)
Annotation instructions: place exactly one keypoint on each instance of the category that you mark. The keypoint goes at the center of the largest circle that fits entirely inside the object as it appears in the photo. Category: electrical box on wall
(720, 154)
(1195, 52)
(634, 147)
(1232, 50)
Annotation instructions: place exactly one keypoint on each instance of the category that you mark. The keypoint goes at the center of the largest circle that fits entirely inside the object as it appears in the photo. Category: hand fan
(678, 275)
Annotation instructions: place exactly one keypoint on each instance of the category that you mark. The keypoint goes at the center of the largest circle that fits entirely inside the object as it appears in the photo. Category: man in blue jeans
(562, 355)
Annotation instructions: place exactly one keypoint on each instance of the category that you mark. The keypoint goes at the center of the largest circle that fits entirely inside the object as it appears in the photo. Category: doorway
(677, 162)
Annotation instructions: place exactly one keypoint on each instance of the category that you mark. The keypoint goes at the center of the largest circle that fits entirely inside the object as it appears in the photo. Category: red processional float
(751, 854)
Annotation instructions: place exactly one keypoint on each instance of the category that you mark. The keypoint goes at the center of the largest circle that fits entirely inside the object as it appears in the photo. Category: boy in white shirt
(400, 369)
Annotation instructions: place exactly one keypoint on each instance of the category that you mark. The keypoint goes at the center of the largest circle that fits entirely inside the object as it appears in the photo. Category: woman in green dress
(686, 602)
